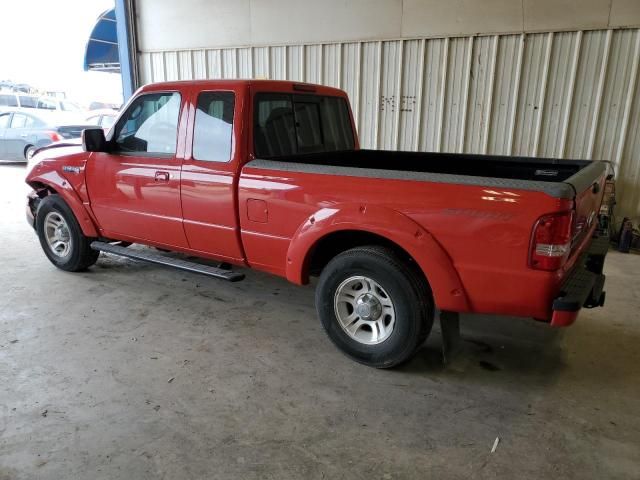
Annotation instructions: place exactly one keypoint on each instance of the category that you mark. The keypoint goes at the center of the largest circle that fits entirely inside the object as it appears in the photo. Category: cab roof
(262, 85)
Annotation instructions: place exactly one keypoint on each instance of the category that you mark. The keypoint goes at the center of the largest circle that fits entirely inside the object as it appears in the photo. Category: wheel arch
(54, 184)
(328, 233)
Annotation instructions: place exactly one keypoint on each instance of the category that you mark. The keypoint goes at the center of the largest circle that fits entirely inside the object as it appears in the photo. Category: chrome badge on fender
(70, 169)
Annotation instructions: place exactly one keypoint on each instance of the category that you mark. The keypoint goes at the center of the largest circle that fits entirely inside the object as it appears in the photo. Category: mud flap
(450, 330)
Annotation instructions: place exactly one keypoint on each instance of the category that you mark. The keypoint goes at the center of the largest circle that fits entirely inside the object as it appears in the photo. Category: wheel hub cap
(364, 310)
(368, 307)
(57, 234)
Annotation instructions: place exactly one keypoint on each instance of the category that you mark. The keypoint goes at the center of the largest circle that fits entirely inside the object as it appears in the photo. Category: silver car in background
(22, 132)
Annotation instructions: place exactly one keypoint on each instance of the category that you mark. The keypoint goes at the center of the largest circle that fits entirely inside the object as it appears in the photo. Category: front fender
(57, 182)
(448, 291)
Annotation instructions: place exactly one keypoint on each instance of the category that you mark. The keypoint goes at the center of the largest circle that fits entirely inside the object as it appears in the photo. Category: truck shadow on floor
(493, 348)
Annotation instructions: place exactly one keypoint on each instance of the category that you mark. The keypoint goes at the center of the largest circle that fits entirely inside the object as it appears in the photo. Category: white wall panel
(559, 91)
(505, 93)
(560, 94)
(433, 94)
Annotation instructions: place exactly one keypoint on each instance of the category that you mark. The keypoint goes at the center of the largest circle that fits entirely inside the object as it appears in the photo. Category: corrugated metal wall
(564, 94)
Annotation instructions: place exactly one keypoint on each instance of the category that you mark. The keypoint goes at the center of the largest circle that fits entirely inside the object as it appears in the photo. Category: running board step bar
(158, 259)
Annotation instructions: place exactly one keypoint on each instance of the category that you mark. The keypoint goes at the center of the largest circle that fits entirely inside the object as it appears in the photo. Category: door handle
(162, 176)
(23, 135)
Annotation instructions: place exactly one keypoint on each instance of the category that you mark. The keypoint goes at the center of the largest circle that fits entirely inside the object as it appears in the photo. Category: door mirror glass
(93, 140)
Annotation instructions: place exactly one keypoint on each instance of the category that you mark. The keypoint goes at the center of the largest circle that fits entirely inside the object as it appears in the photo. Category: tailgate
(588, 184)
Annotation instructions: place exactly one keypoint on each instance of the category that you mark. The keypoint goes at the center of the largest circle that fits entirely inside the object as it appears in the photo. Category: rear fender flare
(63, 188)
(447, 288)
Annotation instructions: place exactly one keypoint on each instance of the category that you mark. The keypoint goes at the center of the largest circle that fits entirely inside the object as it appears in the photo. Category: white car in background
(58, 104)
(17, 100)
(103, 117)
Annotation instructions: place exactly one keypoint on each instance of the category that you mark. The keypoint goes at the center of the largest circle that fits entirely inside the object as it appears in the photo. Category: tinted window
(18, 120)
(214, 127)
(46, 104)
(4, 120)
(28, 102)
(297, 124)
(309, 130)
(275, 130)
(8, 101)
(150, 124)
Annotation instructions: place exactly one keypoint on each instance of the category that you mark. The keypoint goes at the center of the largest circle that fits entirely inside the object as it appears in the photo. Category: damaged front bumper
(33, 200)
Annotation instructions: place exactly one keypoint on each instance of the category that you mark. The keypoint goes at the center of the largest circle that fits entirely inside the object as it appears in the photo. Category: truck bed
(559, 178)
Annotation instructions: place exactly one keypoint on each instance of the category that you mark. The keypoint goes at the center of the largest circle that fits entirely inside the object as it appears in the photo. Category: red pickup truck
(269, 175)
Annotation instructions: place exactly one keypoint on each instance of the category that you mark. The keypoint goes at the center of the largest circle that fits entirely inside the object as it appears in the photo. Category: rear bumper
(584, 287)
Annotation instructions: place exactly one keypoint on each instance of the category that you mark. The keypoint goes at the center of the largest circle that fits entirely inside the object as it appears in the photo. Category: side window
(4, 120)
(8, 101)
(27, 101)
(18, 120)
(46, 105)
(213, 130)
(29, 121)
(95, 120)
(150, 125)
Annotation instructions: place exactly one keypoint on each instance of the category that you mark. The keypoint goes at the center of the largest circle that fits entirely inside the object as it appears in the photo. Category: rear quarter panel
(483, 233)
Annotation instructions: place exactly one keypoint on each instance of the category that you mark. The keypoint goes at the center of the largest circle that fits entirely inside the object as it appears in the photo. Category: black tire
(80, 255)
(29, 152)
(407, 289)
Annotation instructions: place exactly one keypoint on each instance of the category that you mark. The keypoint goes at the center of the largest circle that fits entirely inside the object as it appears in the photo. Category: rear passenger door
(209, 180)
(15, 137)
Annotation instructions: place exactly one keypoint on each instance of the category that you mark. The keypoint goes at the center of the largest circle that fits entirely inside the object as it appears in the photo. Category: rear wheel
(374, 306)
(30, 152)
(61, 238)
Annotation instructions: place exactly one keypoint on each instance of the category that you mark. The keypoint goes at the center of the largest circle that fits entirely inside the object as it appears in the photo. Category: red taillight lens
(551, 241)
(54, 136)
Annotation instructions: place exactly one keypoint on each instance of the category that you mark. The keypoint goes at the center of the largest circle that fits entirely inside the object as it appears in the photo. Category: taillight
(551, 241)
(54, 136)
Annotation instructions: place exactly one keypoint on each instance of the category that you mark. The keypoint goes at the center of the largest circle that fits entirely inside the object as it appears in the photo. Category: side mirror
(93, 140)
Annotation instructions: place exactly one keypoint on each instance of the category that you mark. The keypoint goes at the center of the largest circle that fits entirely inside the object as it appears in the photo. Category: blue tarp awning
(102, 48)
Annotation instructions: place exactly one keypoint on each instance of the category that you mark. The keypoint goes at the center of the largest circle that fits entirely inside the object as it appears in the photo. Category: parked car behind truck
(269, 175)
(22, 133)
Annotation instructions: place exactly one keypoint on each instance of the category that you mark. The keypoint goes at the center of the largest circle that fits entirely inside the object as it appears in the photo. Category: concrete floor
(131, 371)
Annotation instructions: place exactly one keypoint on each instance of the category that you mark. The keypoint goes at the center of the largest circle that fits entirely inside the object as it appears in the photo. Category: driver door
(134, 189)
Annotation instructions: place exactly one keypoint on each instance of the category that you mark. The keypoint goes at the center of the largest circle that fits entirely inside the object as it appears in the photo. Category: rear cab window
(295, 124)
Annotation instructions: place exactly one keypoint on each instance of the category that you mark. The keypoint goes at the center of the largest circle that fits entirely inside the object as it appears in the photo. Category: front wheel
(61, 238)
(374, 306)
